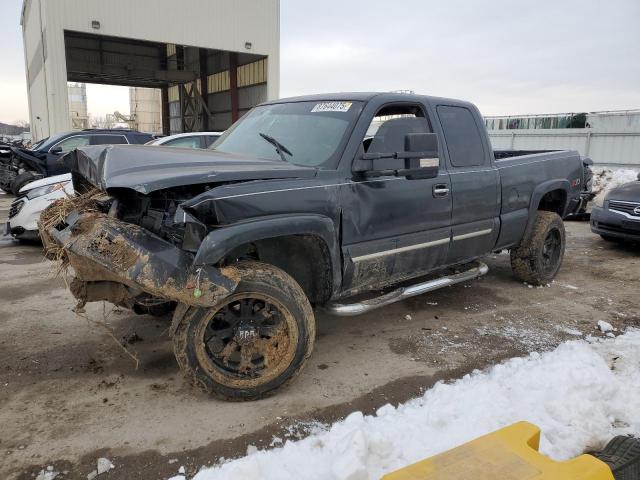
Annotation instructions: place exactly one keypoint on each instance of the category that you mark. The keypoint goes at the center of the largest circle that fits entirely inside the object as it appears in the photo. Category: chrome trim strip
(625, 214)
(625, 202)
(477, 233)
(393, 251)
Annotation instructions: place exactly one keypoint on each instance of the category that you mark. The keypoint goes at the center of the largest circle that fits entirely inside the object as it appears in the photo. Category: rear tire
(20, 181)
(251, 343)
(622, 455)
(539, 256)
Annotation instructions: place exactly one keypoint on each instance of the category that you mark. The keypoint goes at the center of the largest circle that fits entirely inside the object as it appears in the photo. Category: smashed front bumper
(122, 263)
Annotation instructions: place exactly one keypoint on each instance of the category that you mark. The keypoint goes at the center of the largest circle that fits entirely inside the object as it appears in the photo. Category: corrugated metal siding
(174, 93)
(218, 24)
(218, 82)
(602, 146)
(252, 73)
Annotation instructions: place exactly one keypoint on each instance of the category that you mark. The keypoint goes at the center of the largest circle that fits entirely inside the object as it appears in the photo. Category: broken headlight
(40, 191)
(194, 230)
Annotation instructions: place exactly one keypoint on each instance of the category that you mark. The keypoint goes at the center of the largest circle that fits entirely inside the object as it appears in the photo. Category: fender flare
(539, 192)
(221, 241)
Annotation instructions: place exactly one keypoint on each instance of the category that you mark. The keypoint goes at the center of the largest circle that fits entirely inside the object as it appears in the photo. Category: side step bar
(351, 309)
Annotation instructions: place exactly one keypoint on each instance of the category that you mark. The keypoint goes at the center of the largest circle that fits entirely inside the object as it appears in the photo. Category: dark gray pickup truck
(345, 202)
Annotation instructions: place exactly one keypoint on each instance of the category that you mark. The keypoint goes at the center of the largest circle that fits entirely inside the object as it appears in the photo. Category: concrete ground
(70, 394)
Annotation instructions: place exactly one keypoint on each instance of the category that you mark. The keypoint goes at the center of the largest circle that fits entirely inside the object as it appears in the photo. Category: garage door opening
(199, 89)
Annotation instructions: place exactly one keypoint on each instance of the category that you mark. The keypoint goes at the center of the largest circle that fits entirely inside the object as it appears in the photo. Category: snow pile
(605, 327)
(573, 393)
(604, 179)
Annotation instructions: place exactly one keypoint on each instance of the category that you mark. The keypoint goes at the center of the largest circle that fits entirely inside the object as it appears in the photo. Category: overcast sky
(506, 56)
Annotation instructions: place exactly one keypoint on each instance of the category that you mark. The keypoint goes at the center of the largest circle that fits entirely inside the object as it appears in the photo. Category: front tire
(538, 257)
(252, 342)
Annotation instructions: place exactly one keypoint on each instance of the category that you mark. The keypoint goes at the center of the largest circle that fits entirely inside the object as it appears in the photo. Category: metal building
(211, 59)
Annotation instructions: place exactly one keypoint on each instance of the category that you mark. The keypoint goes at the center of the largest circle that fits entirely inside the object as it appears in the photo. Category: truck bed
(520, 187)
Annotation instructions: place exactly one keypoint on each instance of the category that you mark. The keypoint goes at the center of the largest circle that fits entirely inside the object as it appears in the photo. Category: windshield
(36, 145)
(48, 142)
(308, 133)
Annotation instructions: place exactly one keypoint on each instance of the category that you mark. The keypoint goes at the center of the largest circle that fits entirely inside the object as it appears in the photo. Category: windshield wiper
(279, 147)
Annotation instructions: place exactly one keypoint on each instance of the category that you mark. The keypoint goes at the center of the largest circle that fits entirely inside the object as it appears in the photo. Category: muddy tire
(20, 181)
(251, 343)
(538, 257)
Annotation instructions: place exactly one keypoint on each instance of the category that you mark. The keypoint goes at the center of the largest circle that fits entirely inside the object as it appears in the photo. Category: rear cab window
(464, 142)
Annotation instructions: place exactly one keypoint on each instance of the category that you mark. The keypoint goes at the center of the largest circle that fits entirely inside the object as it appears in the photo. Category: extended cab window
(311, 133)
(464, 142)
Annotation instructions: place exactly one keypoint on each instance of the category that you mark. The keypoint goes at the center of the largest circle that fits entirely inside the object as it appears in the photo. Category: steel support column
(166, 123)
(233, 85)
(204, 88)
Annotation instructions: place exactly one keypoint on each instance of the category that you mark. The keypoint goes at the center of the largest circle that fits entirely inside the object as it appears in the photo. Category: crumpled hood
(148, 168)
(629, 192)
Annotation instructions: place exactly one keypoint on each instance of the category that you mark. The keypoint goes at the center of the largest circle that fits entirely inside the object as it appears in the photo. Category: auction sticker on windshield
(332, 107)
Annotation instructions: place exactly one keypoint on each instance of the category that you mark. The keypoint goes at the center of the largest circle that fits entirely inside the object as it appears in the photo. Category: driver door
(393, 227)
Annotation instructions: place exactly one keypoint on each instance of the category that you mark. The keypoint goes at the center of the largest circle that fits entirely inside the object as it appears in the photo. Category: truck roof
(367, 96)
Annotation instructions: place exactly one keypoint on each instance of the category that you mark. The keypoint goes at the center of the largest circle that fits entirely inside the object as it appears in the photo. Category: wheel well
(554, 201)
(305, 257)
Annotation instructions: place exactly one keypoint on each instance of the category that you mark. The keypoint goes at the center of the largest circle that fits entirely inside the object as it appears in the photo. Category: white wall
(213, 24)
(604, 147)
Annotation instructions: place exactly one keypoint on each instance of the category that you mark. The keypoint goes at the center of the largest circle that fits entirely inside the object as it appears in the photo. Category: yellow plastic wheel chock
(510, 453)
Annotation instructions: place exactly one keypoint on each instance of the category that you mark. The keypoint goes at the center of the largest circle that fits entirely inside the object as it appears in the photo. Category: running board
(351, 309)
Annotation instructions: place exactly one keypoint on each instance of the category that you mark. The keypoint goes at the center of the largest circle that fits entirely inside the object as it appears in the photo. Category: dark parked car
(308, 202)
(619, 217)
(25, 165)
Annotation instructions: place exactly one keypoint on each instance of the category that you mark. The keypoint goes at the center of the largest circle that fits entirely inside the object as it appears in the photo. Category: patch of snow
(570, 287)
(570, 331)
(604, 327)
(104, 465)
(571, 393)
(182, 470)
(91, 475)
(47, 473)
(604, 179)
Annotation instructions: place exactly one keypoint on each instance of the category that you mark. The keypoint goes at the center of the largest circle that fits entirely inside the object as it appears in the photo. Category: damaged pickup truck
(345, 202)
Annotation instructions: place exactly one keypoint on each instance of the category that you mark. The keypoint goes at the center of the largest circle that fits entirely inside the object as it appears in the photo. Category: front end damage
(125, 264)
(130, 235)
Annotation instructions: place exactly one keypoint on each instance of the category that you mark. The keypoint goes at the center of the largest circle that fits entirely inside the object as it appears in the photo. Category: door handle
(440, 190)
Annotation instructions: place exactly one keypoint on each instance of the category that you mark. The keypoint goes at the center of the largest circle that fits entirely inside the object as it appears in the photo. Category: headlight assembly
(38, 192)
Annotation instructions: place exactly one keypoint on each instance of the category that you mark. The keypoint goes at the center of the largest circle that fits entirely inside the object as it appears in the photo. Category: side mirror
(421, 155)
(419, 159)
(56, 150)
